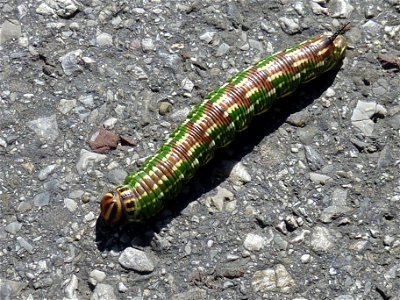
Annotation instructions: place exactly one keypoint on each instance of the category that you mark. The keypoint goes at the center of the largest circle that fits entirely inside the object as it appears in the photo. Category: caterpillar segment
(213, 123)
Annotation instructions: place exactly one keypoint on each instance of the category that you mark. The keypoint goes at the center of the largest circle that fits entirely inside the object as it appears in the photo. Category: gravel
(302, 205)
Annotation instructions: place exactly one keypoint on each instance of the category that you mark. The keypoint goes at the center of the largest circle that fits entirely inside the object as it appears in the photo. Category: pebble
(46, 128)
(239, 174)
(13, 227)
(254, 242)
(267, 27)
(333, 212)
(10, 289)
(9, 30)
(164, 108)
(305, 258)
(63, 8)
(42, 199)
(96, 276)
(76, 194)
(187, 85)
(289, 25)
(207, 36)
(24, 244)
(314, 159)
(65, 106)
(216, 202)
(104, 39)
(51, 185)
(138, 72)
(317, 8)
(340, 9)
(299, 7)
(70, 62)
(321, 239)
(70, 204)
(388, 240)
(372, 27)
(148, 45)
(358, 246)
(273, 280)
(254, 44)
(137, 260)
(103, 141)
(385, 157)
(319, 178)
(339, 197)
(86, 158)
(122, 287)
(299, 119)
(87, 100)
(110, 123)
(344, 297)
(90, 217)
(45, 172)
(71, 289)
(192, 294)
(24, 206)
(44, 10)
(222, 50)
(103, 291)
(3, 143)
(362, 114)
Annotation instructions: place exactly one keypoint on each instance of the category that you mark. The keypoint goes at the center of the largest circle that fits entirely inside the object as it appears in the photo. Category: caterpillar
(213, 123)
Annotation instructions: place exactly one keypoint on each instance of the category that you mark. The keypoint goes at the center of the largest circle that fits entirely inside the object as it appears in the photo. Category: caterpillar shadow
(119, 237)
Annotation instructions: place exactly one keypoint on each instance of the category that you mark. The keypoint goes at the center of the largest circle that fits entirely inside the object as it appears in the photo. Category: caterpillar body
(214, 122)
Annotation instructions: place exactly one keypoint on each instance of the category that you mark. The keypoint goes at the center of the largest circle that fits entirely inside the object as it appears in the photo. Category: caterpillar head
(117, 204)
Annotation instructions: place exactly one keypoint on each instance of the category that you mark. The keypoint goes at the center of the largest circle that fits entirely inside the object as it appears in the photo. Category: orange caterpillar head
(111, 208)
(117, 205)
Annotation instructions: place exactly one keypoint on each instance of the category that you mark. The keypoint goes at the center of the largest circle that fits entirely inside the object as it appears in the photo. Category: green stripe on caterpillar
(213, 123)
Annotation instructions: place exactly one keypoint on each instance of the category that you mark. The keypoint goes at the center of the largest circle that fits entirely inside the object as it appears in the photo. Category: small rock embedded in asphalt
(289, 25)
(10, 29)
(321, 239)
(25, 244)
(340, 9)
(148, 45)
(137, 260)
(96, 276)
(103, 141)
(103, 291)
(363, 114)
(254, 242)
(45, 172)
(276, 280)
(42, 199)
(70, 62)
(70, 204)
(104, 39)
(164, 108)
(319, 178)
(46, 128)
(71, 289)
(13, 227)
(216, 202)
(222, 50)
(239, 174)
(314, 159)
(86, 158)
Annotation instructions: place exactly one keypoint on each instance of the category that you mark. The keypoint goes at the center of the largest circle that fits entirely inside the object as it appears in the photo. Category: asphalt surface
(303, 205)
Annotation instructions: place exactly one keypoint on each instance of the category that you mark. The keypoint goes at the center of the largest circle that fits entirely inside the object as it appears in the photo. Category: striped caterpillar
(213, 123)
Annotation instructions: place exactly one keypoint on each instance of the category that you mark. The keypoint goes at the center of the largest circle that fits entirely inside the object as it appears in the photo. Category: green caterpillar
(213, 123)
